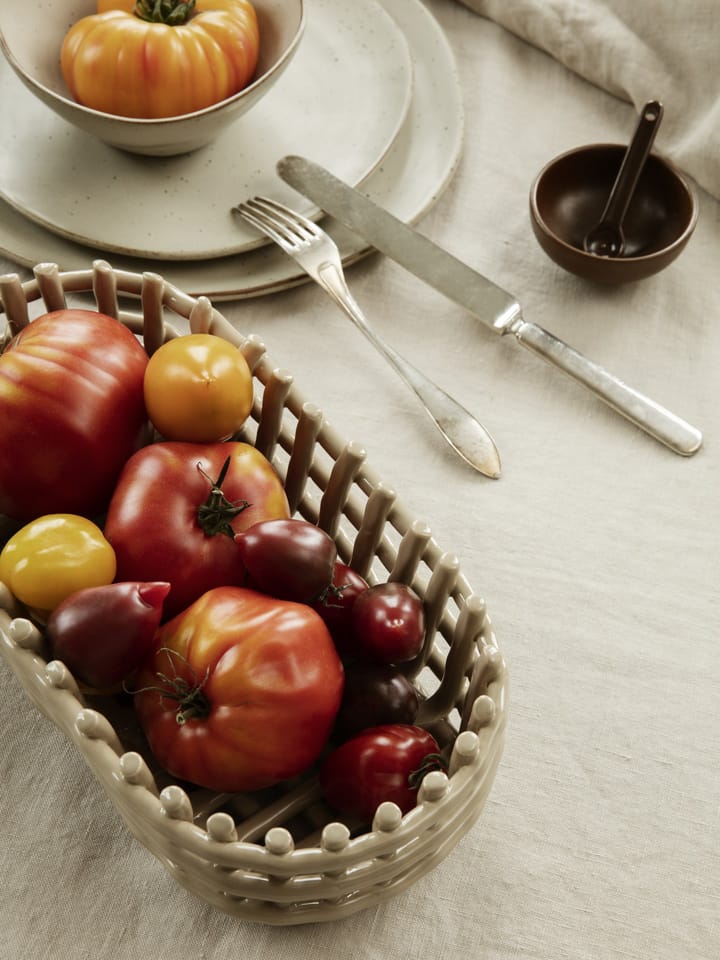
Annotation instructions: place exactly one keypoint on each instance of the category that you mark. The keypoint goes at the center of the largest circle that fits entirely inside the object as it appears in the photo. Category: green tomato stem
(193, 702)
(433, 761)
(215, 515)
(171, 12)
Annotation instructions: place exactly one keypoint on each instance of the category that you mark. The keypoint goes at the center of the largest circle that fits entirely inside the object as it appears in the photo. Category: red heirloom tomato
(241, 692)
(104, 633)
(177, 508)
(375, 694)
(388, 623)
(335, 606)
(379, 764)
(289, 559)
(71, 410)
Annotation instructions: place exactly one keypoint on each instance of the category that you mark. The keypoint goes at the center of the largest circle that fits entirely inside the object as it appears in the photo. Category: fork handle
(466, 435)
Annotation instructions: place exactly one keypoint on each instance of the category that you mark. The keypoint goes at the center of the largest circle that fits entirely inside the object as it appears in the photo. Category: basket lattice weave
(281, 856)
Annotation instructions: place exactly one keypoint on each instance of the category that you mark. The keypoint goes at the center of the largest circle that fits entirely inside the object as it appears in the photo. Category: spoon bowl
(569, 196)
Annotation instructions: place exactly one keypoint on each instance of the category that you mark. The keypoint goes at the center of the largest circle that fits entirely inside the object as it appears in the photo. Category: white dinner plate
(344, 97)
(415, 172)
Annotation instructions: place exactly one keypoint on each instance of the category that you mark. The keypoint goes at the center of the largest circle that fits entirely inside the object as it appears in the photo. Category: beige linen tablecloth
(597, 553)
(646, 50)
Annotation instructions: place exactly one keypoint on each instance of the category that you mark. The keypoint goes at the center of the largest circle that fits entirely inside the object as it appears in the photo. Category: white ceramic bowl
(280, 856)
(31, 36)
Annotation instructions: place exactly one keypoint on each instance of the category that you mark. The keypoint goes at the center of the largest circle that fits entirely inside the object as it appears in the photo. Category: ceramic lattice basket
(281, 856)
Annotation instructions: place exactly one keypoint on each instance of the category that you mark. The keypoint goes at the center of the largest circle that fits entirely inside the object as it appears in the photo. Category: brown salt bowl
(568, 198)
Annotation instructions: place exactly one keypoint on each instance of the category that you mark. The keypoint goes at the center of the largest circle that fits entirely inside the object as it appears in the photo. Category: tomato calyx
(193, 702)
(433, 761)
(215, 515)
(332, 595)
(171, 12)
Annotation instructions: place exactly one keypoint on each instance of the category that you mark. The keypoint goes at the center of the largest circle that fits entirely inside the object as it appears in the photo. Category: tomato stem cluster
(216, 514)
(193, 702)
(171, 12)
(433, 761)
(332, 593)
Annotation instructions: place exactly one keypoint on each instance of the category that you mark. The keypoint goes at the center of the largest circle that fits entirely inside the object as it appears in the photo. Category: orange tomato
(199, 53)
(241, 692)
(198, 388)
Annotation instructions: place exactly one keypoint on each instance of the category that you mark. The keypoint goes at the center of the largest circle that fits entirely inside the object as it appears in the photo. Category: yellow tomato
(52, 557)
(155, 59)
(198, 388)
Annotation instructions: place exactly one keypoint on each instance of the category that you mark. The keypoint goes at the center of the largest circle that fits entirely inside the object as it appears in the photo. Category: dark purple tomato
(379, 764)
(288, 559)
(375, 694)
(388, 623)
(335, 606)
(103, 634)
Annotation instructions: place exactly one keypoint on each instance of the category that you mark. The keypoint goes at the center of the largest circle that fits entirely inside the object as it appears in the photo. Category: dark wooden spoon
(606, 238)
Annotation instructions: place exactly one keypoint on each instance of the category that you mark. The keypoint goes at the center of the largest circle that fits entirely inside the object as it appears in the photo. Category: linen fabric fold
(646, 50)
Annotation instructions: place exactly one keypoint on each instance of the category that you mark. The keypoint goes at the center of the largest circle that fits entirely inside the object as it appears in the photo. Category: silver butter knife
(497, 308)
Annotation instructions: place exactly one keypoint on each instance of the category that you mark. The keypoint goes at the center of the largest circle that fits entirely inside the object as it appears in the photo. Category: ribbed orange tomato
(241, 691)
(160, 58)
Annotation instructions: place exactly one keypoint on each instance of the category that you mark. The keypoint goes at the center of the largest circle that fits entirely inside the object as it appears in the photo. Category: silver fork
(318, 255)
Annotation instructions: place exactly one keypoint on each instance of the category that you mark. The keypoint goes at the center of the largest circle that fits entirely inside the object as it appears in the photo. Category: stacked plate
(372, 94)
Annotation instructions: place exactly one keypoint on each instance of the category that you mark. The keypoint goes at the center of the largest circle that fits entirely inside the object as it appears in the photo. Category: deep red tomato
(105, 633)
(379, 764)
(169, 518)
(335, 606)
(388, 623)
(288, 559)
(375, 694)
(71, 410)
(241, 692)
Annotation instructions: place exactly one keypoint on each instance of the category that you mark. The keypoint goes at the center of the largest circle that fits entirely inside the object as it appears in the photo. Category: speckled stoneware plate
(344, 97)
(415, 172)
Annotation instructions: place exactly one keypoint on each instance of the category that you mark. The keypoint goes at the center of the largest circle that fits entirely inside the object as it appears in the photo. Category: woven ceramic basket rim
(285, 858)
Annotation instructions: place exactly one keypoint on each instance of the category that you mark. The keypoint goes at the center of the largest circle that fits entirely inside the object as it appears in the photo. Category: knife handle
(677, 434)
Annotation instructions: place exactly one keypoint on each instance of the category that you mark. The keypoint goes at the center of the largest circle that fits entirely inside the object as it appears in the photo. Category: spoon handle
(654, 419)
(633, 162)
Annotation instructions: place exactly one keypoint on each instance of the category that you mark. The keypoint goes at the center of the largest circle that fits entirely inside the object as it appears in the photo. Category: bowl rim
(72, 104)
(542, 225)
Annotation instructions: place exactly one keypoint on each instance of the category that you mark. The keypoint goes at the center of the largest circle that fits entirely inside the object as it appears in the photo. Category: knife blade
(495, 307)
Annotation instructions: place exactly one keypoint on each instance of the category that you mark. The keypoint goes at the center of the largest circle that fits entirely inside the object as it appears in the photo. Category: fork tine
(319, 256)
(274, 214)
(291, 217)
(263, 225)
